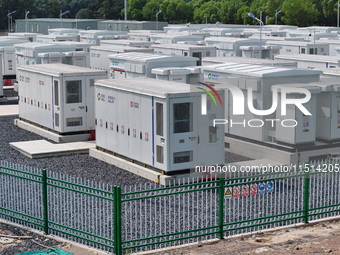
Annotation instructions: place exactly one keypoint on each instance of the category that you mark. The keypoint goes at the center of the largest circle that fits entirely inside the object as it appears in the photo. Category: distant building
(42, 25)
(127, 25)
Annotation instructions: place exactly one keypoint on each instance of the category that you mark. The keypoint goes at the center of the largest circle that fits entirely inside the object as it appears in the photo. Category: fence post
(221, 200)
(117, 220)
(45, 200)
(306, 193)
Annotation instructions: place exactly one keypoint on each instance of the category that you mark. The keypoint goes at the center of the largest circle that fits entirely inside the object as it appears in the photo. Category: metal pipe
(61, 17)
(261, 24)
(26, 13)
(157, 18)
(125, 11)
(9, 16)
(277, 12)
(338, 15)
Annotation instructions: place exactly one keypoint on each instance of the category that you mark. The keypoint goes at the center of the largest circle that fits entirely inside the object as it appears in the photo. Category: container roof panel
(147, 86)
(258, 71)
(60, 69)
(145, 57)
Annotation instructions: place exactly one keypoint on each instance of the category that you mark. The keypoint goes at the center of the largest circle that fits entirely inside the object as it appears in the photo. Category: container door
(56, 112)
(111, 121)
(134, 127)
(123, 103)
(183, 138)
(145, 135)
(160, 132)
(100, 117)
(75, 105)
(90, 115)
(211, 147)
(198, 55)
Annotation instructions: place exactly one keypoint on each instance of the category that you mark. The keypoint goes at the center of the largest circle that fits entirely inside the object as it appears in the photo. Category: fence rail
(149, 216)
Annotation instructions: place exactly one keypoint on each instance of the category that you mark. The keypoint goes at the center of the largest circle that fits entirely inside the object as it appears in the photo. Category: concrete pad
(9, 110)
(144, 172)
(8, 87)
(257, 151)
(51, 135)
(43, 148)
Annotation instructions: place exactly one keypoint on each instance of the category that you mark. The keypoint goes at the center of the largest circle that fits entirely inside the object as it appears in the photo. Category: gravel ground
(81, 165)
(10, 93)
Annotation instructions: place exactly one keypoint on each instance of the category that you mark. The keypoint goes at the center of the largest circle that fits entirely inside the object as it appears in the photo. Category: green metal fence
(149, 216)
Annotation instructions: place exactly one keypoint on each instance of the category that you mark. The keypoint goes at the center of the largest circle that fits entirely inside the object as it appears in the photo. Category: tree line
(293, 12)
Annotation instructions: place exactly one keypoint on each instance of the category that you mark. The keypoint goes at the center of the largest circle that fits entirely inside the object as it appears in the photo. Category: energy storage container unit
(57, 96)
(175, 74)
(27, 36)
(190, 74)
(196, 51)
(175, 38)
(268, 52)
(311, 61)
(229, 46)
(76, 58)
(81, 47)
(51, 57)
(258, 79)
(158, 123)
(92, 36)
(143, 35)
(27, 53)
(131, 43)
(266, 62)
(63, 31)
(8, 63)
(305, 130)
(7, 54)
(58, 38)
(328, 112)
(99, 55)
(136, 64)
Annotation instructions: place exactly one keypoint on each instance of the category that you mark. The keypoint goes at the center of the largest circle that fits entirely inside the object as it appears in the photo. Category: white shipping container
(58, 38)
(26, 36)
(158, 123)
(99, 54)
(131, 43)
(58, 97)
(27, 53)
(260, 80)
(94, 36)
(7, 56)
(328, 112)
(63, 31)
(196, 51)
(136, 64)
(305, 130)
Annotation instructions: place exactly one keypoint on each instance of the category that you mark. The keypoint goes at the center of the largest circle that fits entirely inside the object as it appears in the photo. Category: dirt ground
(316, 238)
(38, 241)
(320, 238)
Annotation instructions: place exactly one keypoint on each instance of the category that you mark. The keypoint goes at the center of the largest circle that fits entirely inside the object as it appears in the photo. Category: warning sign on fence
(253, 189)
(245, 191)
(227, 193)
(262, 188)
(236, 192)
(270, 186)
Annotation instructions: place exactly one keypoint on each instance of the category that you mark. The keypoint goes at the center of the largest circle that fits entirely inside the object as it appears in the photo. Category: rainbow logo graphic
(204, 97)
